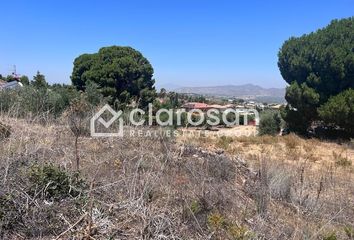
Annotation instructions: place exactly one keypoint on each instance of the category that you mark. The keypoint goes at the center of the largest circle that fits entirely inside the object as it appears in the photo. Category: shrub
(8, 212)
(216, 221)
(53, 182)
(93, 93)
(5, 131)
(224, 142)
(291, 141)
(330, 236)
(195, 207)
(269, 123)
(341, 161)
(221, 168)
(7, 99)
(349, 230)
(67, 93)
(33, 101)
(239, 232)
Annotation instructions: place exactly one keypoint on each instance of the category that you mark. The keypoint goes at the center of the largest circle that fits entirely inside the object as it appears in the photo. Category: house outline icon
(97, 118)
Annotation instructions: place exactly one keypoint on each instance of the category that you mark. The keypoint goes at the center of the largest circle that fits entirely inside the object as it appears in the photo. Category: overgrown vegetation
(33, 196)
(52, 182)
(37, 103)
(148, 188)
(40, 101)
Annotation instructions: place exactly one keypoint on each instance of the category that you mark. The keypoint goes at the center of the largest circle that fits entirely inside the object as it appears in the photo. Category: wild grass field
(172, 188)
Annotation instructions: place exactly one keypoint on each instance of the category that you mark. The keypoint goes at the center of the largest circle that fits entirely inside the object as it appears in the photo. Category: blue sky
(188, 42)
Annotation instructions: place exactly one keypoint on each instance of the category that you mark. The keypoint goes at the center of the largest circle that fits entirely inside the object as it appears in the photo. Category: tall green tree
(39, 81)
(317, 66)
(122, 73)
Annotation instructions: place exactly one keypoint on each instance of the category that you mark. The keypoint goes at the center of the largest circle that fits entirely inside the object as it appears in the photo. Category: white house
(10, 85)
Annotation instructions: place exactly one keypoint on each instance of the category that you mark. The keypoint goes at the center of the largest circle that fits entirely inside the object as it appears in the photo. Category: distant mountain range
(246, 91)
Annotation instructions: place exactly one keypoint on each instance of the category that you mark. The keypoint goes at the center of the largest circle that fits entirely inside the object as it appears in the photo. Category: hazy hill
(248, 91)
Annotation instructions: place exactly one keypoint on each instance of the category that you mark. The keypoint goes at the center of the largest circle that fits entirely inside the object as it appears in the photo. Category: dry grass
(137, 188)
(165, 188)
(291, 148)
(309, 179)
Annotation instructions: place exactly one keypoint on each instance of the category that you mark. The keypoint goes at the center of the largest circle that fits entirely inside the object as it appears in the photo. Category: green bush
(269, 123)
(53, 182)
(39, 101)
(330, 236)
(7, 100)
(219, 224)
(195, 207)
(93, 93)
(349, 231)
(34, 101)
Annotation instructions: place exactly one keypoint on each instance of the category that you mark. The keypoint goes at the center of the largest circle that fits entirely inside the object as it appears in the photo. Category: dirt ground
(242, 140)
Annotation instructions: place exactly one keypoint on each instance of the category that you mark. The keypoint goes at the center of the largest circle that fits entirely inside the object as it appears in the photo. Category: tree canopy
(39, 81)
(339, 110)
(317, 66)
(122, 74)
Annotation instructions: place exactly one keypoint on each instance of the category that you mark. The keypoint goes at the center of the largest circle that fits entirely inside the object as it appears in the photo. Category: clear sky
(188, 42)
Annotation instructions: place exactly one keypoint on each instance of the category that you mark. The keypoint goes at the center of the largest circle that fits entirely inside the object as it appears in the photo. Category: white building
(10, 85)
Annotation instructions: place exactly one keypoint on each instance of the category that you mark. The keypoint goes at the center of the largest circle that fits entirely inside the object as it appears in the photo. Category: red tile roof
(217, 106)
(196, 105)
